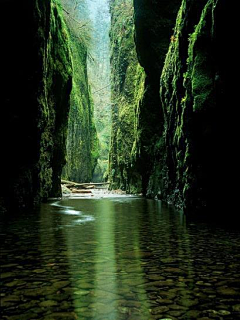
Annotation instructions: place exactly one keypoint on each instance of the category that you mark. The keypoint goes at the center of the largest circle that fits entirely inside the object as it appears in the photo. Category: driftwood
(76, 185)
(80, 191)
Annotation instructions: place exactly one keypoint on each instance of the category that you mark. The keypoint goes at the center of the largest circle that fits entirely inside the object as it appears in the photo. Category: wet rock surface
(134, 259)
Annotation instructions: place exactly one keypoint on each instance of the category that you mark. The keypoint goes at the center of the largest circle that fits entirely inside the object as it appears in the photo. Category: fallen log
(84, 185)
(80, 191)
(91, 186)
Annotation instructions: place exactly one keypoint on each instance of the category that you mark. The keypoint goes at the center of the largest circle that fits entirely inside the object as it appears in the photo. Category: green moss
(199, 62)
(42, 69)
(82, 141)
(127, 77)
(53, 100)
(137, 114)
(188, 94)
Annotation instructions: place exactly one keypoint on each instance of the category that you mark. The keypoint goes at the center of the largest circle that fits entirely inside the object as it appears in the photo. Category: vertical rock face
(163, 178)
(137, 112)
(127, 79)
(194, 92)
(36, 68)
(154, 21)
(82, 141)
(184, 136)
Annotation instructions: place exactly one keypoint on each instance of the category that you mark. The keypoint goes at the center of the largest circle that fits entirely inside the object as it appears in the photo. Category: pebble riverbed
(117, 257)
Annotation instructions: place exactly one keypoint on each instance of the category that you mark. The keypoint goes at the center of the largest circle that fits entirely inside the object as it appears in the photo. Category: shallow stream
(117, 257)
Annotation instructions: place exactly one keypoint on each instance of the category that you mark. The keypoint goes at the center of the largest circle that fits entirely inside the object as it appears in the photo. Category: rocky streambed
(117, 257)
(73, 189)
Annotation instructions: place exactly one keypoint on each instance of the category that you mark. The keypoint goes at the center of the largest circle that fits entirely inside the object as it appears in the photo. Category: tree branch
(102, 88)
(70, 16)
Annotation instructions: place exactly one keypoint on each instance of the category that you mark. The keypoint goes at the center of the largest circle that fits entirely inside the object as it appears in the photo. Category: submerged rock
(48, 303)
(229, 292)
(65, 190)
(61, 316)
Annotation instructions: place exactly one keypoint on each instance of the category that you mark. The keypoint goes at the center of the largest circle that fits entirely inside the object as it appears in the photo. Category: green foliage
(76, 16)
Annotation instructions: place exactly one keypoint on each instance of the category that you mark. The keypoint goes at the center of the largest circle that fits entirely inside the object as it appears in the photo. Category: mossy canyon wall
(140, 36)
(37, 73)
(176, 131)
(38, 76)
(127, 78)
(82, 140)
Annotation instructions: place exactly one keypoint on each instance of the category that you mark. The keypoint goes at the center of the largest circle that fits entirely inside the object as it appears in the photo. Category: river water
(117, 257)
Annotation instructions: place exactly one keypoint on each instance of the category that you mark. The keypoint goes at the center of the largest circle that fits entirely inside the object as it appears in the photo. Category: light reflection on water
(70, 211)
(117, 258)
